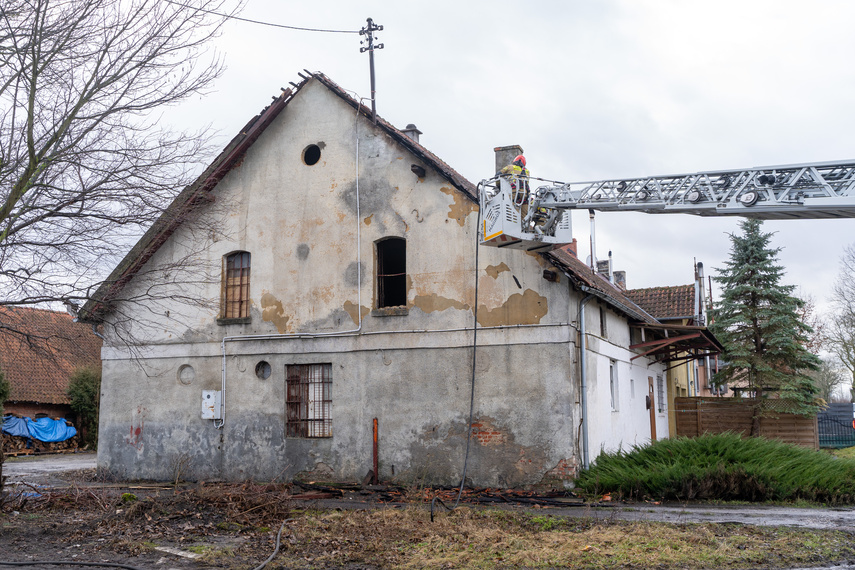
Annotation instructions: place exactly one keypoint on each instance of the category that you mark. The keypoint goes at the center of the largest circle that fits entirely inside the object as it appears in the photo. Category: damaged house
(333, 305)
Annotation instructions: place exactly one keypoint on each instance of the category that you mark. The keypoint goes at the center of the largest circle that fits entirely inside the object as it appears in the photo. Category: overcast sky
(591, 90)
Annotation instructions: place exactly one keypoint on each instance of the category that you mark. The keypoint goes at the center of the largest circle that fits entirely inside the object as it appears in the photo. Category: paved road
(41, 469)
(838, 518)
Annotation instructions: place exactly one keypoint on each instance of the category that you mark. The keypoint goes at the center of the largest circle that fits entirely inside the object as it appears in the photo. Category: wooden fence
(696, 416)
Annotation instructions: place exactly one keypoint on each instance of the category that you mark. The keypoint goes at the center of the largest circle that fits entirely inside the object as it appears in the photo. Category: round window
(186, 374)
(311, 154)
(262, 370)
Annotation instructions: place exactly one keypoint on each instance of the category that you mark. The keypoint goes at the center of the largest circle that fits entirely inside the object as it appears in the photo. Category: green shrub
(85, 393)
(723, 467)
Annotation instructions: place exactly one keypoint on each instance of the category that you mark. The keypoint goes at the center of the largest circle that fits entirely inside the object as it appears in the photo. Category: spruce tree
(757, 322)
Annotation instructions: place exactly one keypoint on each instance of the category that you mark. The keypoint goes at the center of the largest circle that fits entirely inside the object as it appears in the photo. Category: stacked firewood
(17, 445)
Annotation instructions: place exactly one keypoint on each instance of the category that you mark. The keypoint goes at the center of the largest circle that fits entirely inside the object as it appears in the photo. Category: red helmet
(520, 159)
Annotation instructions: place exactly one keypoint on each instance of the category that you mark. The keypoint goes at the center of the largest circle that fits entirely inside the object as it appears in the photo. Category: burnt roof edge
(454, 177)
(175, 214)
(94, 309)
(585, 286)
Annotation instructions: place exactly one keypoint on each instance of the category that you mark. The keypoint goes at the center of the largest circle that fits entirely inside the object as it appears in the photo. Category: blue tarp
(48, 430)
(42, 429)
(16, 426)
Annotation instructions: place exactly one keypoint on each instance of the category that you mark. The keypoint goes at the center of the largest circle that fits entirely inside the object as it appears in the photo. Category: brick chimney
(505, 155)
(572, 248)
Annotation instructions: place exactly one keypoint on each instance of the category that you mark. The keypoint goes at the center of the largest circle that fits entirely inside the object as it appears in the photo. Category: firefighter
(518, 174)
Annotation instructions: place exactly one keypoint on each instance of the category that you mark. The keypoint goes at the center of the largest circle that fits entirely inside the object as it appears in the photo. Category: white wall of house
(313, 300)
(619, 417)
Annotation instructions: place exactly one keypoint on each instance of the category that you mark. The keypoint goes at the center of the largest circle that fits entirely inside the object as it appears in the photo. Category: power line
(263, 23)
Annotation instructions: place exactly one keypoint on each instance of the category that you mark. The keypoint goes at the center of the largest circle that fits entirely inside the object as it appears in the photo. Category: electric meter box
(212, 404)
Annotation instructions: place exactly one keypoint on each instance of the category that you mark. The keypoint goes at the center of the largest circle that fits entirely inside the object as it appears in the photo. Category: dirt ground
(57, 510)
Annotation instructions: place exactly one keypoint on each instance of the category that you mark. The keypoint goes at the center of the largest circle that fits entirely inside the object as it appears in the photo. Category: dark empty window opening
(308, 400)
(391, 273)
(263, 370)
(311, 154)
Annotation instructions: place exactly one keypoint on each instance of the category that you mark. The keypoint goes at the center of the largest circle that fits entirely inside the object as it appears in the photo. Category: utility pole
(369, 32)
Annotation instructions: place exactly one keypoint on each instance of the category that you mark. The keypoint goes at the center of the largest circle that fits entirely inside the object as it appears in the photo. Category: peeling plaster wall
(411, 369)
(419, 395)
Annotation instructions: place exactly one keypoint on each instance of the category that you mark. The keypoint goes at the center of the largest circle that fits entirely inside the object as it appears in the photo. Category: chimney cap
(412, 127)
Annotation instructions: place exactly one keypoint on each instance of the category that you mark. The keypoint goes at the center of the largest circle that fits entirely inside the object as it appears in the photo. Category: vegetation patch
(468, 538)
(845, 453)
(722, 467)
(235, 527)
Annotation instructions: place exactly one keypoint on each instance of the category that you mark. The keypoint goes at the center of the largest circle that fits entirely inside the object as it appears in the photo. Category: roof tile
(666, 302)
(39, 351)
(584, 277)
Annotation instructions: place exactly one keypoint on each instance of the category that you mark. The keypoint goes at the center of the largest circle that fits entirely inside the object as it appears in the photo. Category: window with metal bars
(236, 286)
(308, 400)
(391, 272)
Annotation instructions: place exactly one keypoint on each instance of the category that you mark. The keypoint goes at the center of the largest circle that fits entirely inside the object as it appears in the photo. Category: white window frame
(660, 393)
(614, 386)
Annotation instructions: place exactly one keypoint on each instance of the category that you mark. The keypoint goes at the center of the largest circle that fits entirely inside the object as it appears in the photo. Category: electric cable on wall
(472, 387)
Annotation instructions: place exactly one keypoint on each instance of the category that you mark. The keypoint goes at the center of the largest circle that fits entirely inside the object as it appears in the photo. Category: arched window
(391, 272)
(236, 285)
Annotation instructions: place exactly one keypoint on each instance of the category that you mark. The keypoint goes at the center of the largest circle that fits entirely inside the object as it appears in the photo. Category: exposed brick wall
(485, 433)
(566, 470)
(31, 410)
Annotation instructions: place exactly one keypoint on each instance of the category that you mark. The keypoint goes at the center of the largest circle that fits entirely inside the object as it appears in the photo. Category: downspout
(690, 380)
(584, 378)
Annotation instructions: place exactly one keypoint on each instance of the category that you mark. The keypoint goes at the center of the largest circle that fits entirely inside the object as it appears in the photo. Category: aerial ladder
(539, 220)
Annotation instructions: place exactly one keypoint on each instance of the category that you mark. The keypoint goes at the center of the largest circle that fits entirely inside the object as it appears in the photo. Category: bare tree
(85, 165)
(827, 378)
(807, 313)
(841, 333)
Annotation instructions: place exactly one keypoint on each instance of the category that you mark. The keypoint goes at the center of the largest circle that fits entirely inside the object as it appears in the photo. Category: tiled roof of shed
(666, 302)
(39, 351)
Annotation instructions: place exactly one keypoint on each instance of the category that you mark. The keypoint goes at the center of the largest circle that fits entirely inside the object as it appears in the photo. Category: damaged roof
(39, 351)
(198, 192)
(666, 303)
(667, 342)
(584, 279)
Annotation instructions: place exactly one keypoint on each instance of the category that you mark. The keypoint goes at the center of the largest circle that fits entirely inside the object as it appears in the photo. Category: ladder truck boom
(540, 220)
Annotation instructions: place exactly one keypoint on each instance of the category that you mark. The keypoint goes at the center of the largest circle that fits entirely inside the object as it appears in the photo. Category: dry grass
(235, 527)
(846, 452)
(405, 538)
